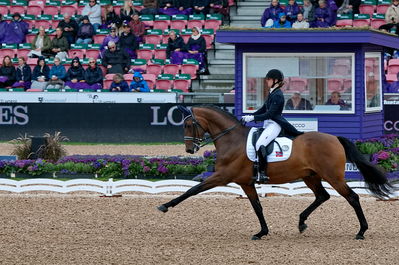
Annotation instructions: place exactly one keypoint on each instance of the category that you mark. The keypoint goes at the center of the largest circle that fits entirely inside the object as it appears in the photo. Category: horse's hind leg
(342, 188)
(314, 183)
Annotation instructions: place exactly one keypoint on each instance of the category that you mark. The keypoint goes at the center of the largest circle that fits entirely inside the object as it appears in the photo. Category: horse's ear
(184, 110)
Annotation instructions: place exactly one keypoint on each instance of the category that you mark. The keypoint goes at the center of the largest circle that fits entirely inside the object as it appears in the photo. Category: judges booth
(333, 78)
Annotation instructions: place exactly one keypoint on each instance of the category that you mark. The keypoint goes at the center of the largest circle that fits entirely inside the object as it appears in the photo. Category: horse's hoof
(359, 237)
(255, 238)
(302, 228)
(162, 208)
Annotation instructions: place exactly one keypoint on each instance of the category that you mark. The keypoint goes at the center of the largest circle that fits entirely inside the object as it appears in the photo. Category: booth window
(373, 87)
(314, 82)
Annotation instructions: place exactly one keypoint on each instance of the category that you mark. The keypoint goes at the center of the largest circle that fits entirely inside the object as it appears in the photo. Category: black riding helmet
(276, 74)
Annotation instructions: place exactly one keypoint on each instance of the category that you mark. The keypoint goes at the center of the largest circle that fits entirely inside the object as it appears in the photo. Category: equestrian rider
(273, 121)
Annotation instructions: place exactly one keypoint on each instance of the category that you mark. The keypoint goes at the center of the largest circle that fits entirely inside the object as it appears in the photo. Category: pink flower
(383, 155)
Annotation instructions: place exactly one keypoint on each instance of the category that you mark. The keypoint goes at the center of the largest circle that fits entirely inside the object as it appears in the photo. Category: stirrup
(262, 178)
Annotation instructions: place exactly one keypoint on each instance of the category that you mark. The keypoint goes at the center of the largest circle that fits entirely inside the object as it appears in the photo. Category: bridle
(200, 142)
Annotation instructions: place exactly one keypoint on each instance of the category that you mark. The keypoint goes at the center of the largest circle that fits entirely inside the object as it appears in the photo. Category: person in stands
(175, 49)
(150, 7)
(23, 74)
(167, 7)
(116, 61)
(137, 27)
(94, 75)
(184, 7)
(85, 32)
(119, 84)
(127, 11)
(127, 42)
(335, 99)
(93, 11)
(16, 30)
(282, 22)
(308, 11)
(40, 74)
(75, 77)
(112, 20)
(392, 13)
(196, 49)
(300, 22)
(59, 45)
(3, 28)
(112, 36)
(201, 6)
(57, 75)
(297, 102)
(292, 10)
(7, 73)
(41, 44)
(138, 84)
(69, 27)
(324, 17)
(270, 15)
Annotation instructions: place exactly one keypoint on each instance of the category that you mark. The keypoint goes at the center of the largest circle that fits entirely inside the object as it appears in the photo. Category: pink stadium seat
(164, 84)
(344, 23)
(185, 37)
(109, 76)
(37, 3)
(195, 23)
(98, 38)
(107, 84)
(128, 78)
(30, 38)
(367, 9)
(4, 9)
(51, 10)
(150, 79)
(67, 66)
(23, 52)
(361, 22)
(160, 54)
(298, 84)
(172, 69)
(34, 90)
(155, 69)
(31, 61)
(183, 85)
(382, 9)
(393, 69)
(178, 24)
(209, 41)
(34, 10)
(70, 9)
(152, 39)
(17, 9)
(92, 53)
(391, 77)
(45, 23)
(76, 53)
(212, 24)
(341, 69)
(190, 69)
(335, 84)
(80, 9)
(376, 23)
(347, 84)
(161, 24)
(7, 52)
(145, 54)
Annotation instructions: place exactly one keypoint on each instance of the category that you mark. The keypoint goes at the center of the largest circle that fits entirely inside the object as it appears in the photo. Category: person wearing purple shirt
(323, 15)
(3, 28)
(292, 10)
(110, 37)
(16, 30)
(271, 13)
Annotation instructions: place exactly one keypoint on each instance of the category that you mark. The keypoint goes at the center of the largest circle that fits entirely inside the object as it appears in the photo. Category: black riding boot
(262, 167)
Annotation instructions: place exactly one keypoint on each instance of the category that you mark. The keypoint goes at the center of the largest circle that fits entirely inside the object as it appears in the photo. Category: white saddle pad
(276, 155)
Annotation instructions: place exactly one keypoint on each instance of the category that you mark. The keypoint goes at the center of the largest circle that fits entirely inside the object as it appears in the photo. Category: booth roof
(232, 35)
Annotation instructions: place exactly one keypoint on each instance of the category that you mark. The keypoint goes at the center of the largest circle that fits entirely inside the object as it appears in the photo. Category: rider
(273, 121)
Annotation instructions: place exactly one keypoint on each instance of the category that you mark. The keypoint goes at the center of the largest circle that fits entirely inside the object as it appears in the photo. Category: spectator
(110, 37)
(7, 73)
(57, 75)
(218, 6)
(127, 11)
(345, 8)
(308, 11)
(127, 41)
(69, 27)
(41, 44)
(119, 84)
(270, 15)
(282, 22)
(75, 77)
(93, 11)
(392, 14)
(59, 45)
(40, 74)
(348, 6)
(3, 28)
(138, 83)
(137, 27)
(184, 7)
(323, 15)
(94, 76)
(86, 32)
(116, 61)
(175, 49)
(23, 74)
(372, 91)
(335, 99)
(112, 20)
(196, 48)
(167, 7)
(300, 22)
(150, 7)
(201, 6)
(297, 102)
(16, 30)
(292, 10)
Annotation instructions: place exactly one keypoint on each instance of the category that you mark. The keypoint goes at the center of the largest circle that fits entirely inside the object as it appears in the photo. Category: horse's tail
(375, 179)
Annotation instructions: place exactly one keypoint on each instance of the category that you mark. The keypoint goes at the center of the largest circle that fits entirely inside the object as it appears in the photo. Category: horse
(315, 157)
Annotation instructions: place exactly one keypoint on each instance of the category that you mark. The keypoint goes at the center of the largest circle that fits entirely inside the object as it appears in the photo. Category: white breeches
(271, 131)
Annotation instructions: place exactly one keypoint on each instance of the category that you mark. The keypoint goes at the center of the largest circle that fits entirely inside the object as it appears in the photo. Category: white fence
(110, 187)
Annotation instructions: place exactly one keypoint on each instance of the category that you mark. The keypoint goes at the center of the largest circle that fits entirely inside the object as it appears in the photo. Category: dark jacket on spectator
(271, 13)
(77, 73)
(163, 3)
(72, 24)
(86, 31)
(39, 71)
(184, 3)
(178, 43)
(201, 42)
(24, 75)
(94, 76)
(201, 3)
(123, 86)
(150, 4)
(112, 17)
(127, 41)
(9, 72)
(115, 58)
(127, 15)
(61, 43)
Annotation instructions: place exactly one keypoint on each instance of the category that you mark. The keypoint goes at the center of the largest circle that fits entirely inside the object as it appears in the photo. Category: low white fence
(111, 187)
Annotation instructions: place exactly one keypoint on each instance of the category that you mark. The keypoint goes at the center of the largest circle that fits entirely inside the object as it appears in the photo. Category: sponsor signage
(349, 167)
(304, 124)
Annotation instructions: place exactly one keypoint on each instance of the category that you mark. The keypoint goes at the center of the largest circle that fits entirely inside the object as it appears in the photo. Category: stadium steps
(249, 13)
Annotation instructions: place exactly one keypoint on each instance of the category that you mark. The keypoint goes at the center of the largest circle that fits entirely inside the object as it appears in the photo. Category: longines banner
(81, 122)
(391, 113)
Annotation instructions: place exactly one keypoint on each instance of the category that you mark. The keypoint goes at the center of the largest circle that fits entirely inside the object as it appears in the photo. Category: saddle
(270, 147)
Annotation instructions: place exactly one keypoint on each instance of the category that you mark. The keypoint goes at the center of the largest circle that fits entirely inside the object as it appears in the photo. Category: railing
(111, 187)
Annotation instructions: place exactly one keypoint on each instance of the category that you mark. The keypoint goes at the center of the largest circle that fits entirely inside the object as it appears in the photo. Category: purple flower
(162, 169)
(382, 155)
(146, 169)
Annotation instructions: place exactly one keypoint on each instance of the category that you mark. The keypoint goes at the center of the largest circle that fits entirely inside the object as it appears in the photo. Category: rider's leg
(271, 131)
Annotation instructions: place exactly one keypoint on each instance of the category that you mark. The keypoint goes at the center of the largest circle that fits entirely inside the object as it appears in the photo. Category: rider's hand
(248, 118)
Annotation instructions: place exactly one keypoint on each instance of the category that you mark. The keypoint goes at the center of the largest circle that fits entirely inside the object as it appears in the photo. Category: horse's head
(193, 130)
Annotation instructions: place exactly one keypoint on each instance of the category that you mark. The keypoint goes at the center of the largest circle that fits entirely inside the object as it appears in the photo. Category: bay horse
(315, 157)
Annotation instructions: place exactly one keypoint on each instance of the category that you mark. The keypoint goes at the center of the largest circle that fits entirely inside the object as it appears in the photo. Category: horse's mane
(219, 110)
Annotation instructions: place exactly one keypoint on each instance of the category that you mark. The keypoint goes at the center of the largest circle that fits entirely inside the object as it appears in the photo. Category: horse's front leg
(211, 182)
(253, 197)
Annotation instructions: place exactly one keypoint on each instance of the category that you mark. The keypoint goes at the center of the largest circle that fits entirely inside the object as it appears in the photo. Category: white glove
(248, 118)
